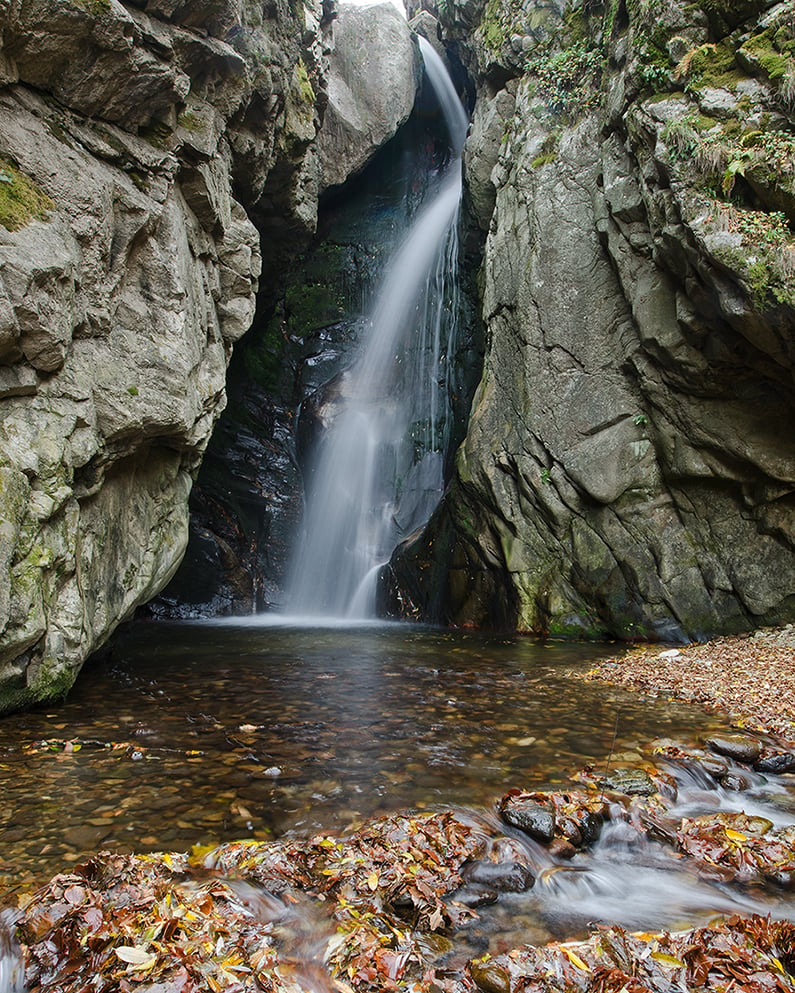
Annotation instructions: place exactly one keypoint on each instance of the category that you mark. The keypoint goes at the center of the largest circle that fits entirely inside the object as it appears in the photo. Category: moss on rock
(21, 200)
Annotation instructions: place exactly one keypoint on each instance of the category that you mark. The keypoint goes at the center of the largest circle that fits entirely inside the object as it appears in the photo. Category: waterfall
(379, 472)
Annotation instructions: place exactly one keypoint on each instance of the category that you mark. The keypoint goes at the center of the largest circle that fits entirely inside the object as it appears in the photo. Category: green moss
(542, 160)
(190, 121)
(304, 83)
(493, 27)
(133, 391)
(21, 200)
(774, 63)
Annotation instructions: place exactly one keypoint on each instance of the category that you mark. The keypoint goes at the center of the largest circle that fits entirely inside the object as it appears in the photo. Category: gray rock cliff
(159, 167)
(630, 464)
(138, 143)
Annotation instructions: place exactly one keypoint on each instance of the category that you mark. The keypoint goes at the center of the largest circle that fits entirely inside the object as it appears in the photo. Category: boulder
(373, 78)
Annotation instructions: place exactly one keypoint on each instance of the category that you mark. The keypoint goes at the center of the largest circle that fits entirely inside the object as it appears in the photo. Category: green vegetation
(21, 201)
(549, 150)
(569, 80)
(190, 121)
(304, 83)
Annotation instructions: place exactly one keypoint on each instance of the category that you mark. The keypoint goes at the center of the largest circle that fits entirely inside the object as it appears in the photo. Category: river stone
(632, 782)
(505, 877)
(775, 762)
(475, 896)
(490, 977)
(532, 818)
(735, 781)
(738, 747)
(713, 766)
(373, 78)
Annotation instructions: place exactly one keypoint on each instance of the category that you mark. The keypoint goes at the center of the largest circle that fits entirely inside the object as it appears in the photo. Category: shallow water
(195, 733)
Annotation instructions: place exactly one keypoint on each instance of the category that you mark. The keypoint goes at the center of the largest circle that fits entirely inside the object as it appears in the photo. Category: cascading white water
(379, 471)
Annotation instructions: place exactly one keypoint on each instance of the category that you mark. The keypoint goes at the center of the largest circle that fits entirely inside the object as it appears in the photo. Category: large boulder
(374, 73)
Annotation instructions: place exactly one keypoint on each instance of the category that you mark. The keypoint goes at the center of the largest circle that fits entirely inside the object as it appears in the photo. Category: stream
(194, 733)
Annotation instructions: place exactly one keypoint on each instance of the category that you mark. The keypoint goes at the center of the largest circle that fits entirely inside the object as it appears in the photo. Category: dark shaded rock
(735, 781)
(738, 747)
(504, 877)
(775, 762)
(530, 817)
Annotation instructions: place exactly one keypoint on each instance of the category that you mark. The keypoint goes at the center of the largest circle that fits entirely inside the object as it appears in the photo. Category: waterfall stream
(379, 471)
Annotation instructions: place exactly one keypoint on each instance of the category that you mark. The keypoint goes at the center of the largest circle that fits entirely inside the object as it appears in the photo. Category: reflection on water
(196, 733)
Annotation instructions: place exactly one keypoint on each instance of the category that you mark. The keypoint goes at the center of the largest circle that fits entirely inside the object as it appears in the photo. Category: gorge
(626, 470)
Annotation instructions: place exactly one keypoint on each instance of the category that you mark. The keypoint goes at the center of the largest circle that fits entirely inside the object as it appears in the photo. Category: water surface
(194, 733)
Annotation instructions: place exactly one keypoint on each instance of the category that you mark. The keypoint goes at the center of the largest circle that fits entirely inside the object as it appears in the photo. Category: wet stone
(713, 766)
(631, 782)
(775, 762)
(474, 896)
(490, 977)
(739, 747)
(504, 877)
(735, 781)
(530, 817)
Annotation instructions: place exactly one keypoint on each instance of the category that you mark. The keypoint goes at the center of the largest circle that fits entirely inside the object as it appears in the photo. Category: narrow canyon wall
(630, 463)
(138, 144)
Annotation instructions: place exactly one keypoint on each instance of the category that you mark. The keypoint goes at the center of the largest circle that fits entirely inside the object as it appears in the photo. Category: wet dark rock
(490, 977)
(775, 762)
(713, 766)
(504, 877)
(562, 849)
(739, 747)
(531, 817)
(736, 781)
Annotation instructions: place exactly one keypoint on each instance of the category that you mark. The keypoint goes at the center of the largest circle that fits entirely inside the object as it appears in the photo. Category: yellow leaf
(372, 881)
(733, 835)
(668, 959)
(575, 959)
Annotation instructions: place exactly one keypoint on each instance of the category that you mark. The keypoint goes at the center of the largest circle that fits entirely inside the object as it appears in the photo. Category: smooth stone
(739, 747)
(505, 877)
(735, 781)
(777, 763)
(474, 896)
(713, 766)
(490, 977)
(532, 818)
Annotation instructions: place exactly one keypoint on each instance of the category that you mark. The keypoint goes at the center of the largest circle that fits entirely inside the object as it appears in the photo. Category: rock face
(138, 142)
(629, 467)
(374, 72)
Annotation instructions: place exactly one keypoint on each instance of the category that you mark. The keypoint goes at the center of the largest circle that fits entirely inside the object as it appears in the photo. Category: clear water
(196, 733)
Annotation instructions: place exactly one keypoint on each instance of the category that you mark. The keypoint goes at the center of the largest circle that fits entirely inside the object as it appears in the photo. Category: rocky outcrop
(138, 142)
(374, 72)
(628, 468)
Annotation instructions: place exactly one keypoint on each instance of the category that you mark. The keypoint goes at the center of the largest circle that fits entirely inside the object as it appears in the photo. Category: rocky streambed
(419, 900)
